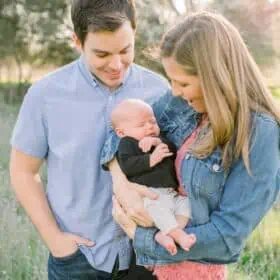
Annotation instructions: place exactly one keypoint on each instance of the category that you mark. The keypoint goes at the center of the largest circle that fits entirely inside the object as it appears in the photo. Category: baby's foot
(167, 242)
(186, 241)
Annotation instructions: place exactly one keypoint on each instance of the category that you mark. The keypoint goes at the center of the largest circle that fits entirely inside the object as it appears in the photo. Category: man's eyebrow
(105, 52)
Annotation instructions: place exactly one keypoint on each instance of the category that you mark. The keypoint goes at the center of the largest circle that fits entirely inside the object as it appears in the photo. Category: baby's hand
(148, 142)
(160, 152)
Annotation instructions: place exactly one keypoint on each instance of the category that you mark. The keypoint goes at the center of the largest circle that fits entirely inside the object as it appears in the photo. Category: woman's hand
(128, 225)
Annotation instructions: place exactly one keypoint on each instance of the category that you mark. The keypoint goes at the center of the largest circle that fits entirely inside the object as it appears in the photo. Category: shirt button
(187, 156)
(216, 167)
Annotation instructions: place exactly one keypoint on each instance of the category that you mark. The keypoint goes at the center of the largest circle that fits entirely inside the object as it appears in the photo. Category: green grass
(22, 254)
(275, 91)
(261, 257)
(24, 257)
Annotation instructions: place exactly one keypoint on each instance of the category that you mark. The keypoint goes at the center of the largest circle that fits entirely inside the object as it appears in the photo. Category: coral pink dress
(187, 270)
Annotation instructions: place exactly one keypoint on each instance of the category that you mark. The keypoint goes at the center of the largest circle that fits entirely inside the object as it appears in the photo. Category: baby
(147, 158)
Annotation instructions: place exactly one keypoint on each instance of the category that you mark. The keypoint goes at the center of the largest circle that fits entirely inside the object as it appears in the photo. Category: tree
(152, 20)
(33, 33)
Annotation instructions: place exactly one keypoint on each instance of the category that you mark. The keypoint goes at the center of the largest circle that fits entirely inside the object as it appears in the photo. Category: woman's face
(184, 85)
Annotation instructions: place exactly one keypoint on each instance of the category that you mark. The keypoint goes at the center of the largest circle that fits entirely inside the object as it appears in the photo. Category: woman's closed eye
(178, 84)
(184, 85)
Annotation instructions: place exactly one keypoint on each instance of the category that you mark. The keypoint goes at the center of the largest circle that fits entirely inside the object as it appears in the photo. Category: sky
(179, 5)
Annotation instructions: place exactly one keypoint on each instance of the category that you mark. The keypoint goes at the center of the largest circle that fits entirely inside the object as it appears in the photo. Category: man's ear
(119, 132)
(77, 42)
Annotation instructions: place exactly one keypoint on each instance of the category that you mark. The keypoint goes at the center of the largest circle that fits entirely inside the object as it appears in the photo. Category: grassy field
(23, 256)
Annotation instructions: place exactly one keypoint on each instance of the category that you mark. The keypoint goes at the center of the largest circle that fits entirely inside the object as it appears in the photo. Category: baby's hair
(120, 113)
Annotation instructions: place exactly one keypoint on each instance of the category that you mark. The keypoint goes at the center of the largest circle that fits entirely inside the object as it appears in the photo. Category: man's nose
(115, 63)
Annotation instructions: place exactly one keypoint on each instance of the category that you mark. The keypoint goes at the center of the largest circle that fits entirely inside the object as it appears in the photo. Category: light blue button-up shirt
(65, 119)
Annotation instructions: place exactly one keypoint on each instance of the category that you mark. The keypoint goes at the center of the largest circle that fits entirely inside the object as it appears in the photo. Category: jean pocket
(69, 257)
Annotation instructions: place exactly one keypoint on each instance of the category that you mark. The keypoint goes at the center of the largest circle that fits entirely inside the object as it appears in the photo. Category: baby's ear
(119, 132)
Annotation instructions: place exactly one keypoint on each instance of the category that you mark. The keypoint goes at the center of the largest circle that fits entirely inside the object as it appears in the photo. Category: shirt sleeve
(245, 201)
(30, 132)
(110, 149)
(131, 162)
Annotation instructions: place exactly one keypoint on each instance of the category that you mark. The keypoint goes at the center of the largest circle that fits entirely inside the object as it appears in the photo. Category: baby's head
(134, 118)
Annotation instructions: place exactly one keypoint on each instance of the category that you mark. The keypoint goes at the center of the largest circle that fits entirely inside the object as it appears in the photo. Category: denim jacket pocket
(208, 179)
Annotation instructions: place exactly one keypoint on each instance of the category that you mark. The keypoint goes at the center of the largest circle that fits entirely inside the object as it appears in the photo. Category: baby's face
(141, 123)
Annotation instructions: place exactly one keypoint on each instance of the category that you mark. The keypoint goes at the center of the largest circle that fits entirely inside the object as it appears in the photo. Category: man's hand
(131, 199)
(160, 152)
(65, 244)
(24, 170)
(148, 142)
(130, 196)
(123, 220)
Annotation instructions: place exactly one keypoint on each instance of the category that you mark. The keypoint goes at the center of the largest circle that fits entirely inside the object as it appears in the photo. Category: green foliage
(12, 92)
(34, 32)
(275, 91)
(152, 22)
(261, 257)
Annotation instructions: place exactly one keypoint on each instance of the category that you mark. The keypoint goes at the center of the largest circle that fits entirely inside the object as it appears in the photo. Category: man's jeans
(76, 267)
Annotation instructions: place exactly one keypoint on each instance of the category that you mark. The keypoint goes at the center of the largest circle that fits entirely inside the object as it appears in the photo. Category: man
(64, 120)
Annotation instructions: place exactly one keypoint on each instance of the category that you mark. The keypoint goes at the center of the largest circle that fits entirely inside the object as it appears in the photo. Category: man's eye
(124, 52)
(101, 55)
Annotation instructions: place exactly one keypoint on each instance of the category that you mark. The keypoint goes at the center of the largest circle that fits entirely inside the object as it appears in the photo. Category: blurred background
(35, 38)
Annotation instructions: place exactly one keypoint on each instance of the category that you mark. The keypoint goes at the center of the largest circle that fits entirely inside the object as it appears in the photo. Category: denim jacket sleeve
(159, 104)
(245, 201)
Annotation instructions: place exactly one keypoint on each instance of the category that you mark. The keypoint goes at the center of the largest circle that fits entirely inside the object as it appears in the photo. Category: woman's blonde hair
(207, 45)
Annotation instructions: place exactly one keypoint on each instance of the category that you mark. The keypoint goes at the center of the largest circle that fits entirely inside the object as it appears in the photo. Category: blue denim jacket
(227, 205)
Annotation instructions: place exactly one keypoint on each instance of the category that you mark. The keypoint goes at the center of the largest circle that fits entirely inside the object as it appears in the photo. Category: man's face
(109, 54)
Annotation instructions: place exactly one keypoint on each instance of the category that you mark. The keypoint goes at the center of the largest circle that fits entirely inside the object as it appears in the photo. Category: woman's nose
(176, 93)
(175, 90)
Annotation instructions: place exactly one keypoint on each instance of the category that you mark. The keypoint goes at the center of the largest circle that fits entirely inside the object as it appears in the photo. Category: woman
(224, 119)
